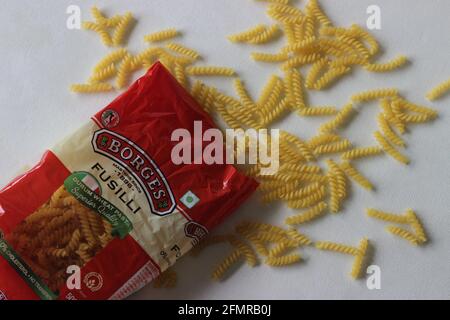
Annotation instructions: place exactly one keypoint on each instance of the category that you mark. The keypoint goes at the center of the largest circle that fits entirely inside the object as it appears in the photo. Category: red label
(140, 165)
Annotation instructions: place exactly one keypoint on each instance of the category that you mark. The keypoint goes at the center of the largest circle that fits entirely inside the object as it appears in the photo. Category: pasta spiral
(162, 35)
(314, 8)
(210, 71)
(402, 233)
(313, 213)
(359, 259)
(386, 146)
(283, 261)
(416, 225)
(337, 247)
(91, 88)
(299, 61)
(248, 34)
(335, 147)
(294, 88)
(109, 59)
(358, 153)
(374, 94)
(178, 48)
(122, 29)
(388, 132)
(396, 63)
(314, 72)
(307, 201)
(439, 91)
(269, 34)
(301, 239)
(105, 74)
(358, 177)
(330, 76)
(100, 30)
(268, 57)
(340, 119)
(226, 264)
(318, 111)
(387, 216)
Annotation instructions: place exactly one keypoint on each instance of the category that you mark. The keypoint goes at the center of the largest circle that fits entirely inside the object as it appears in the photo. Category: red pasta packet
(109, 206)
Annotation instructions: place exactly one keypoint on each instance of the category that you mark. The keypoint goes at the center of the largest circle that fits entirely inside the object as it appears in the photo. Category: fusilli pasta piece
(211, 71)
(374, 95)
(311, 214)
(357, 176)
(91, 88)
(396, 63)
(387, 216)
(386, 146)
(162, 35)
(402, 233)
(358, 153)
(283, 261)
(439, 91)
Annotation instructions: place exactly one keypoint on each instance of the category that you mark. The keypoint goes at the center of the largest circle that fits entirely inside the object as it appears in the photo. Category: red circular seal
(110, 119)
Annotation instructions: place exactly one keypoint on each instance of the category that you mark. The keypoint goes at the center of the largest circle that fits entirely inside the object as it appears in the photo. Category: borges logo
(140, 165)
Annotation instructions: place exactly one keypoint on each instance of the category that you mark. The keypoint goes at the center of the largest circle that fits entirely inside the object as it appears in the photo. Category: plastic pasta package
(107, 211)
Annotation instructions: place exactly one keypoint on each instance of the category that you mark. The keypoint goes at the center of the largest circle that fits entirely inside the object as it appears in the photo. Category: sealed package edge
(108, 203)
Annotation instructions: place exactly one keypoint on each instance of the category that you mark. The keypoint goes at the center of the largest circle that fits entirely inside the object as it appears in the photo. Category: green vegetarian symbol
(104, 141)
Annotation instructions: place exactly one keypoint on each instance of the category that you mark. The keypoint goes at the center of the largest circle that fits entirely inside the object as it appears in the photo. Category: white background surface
(41, 58)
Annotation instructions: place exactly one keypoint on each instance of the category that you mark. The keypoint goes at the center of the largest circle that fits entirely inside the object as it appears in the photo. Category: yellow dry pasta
(389, 149)
(335, 147)
(390, 134)
(416, 225)
(340, 178)
(439, 91)
(100, 30)
(358, 153)
(374, 95)
(396, 63)
(162, 35)
(91, 88)
(226, 264)
(311, 214)
(308, 201)
(210, 71)
(299, 61)
(335, 202)
(245, 250)
(109, 59)
(337, 247)
(402, 233)
(299, 238)
(357, 176)
(316, 10)
(269, 34)
(314, 72)
(321, 139)
(341, 118)
(122, 29)
(358, 263)
(332, 75)
(387, 216)
(178, 48)
(283, 261)
(294, 89)
(104, 74)
(269, 57)
(318, 111)
(248, 34)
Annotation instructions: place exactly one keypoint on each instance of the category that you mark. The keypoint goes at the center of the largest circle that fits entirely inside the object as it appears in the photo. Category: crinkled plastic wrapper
(106, 210)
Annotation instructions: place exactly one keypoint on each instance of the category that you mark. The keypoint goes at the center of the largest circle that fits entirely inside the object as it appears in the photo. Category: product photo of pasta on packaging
(233, 149)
